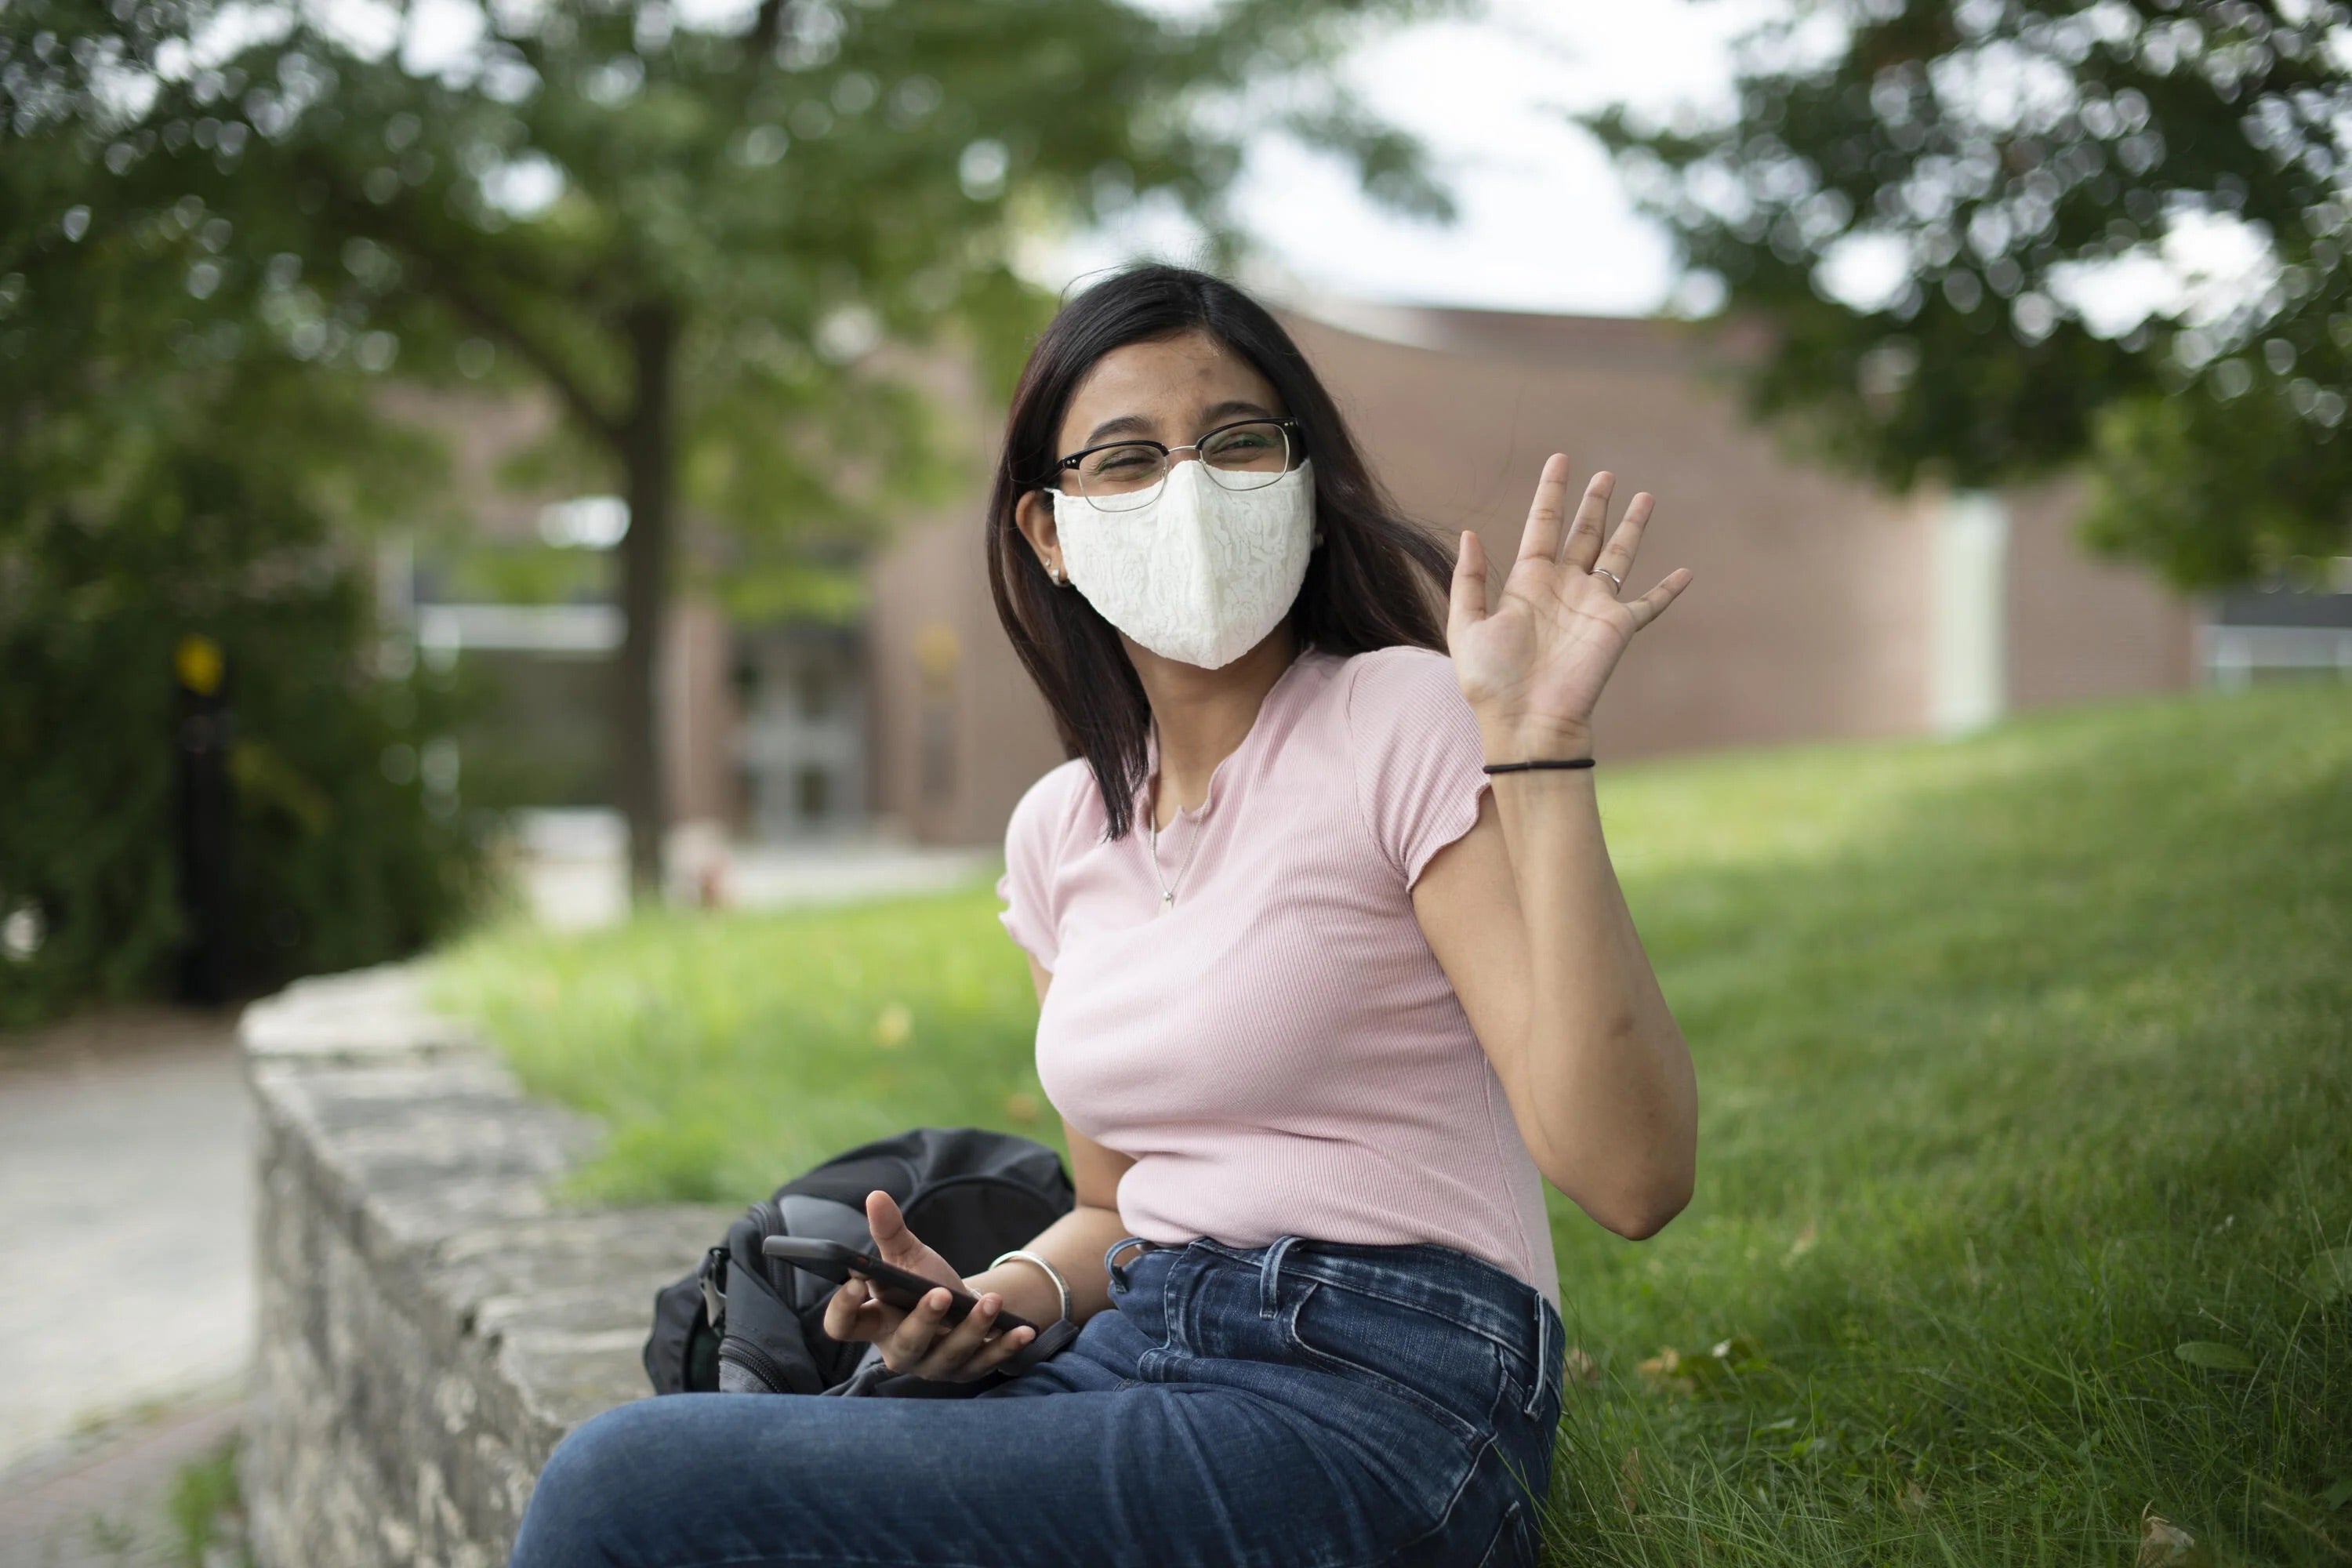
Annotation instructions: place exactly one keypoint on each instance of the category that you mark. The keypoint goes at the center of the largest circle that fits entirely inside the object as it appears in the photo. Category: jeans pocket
(1452, 1375)
(1532, 1373)
(1520, 1542)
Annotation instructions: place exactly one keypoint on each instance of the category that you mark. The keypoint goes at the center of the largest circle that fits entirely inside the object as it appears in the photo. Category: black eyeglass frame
(1290, 430)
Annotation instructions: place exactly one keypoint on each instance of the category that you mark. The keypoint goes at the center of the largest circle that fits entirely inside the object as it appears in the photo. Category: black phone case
(833, 1261)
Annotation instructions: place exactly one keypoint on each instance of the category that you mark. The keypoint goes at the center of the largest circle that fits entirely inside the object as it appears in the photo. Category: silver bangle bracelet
(1060, 1285)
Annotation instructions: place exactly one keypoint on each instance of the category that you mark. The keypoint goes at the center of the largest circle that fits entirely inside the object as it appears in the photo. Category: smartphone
(832, 1260)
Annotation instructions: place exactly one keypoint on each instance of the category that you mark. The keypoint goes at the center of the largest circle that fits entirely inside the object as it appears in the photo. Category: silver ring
(1617, 583)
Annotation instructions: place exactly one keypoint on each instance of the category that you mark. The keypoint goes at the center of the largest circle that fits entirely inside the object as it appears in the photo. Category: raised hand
(1533, 667)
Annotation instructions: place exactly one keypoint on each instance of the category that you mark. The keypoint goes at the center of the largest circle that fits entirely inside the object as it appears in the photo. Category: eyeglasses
(1123, 476)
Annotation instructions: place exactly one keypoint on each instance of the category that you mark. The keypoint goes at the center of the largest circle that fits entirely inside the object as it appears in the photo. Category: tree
(690, 233)
(173, 488)
(1941, 208)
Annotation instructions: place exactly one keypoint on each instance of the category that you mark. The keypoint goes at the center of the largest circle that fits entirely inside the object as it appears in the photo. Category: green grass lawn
(2025, 1195)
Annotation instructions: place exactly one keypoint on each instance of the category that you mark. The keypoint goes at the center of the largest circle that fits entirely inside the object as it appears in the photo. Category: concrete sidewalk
(104, 1498)
(572, 868)
(126, 1274)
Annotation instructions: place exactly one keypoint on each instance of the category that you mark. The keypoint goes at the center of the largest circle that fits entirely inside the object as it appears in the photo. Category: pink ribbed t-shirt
(1279, 1051)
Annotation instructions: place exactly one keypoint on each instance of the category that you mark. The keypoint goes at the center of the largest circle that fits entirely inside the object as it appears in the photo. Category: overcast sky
(1543, 224)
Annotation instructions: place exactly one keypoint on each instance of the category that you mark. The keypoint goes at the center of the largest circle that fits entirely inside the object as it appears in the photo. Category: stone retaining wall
(431, 1322)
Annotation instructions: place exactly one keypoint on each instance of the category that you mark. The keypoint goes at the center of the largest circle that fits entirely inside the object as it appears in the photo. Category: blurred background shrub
(348, 847)
(170, 506)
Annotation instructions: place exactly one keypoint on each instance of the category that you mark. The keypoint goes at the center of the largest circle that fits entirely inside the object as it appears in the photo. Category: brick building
(1822, 608)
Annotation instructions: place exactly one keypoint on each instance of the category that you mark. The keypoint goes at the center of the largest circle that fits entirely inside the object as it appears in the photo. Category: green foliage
(2165, 468)
(161, 478)
(505, 572)
(336, 864)
(2022, 1065)
(1999, 153)
(694, 236)
(207, 1509)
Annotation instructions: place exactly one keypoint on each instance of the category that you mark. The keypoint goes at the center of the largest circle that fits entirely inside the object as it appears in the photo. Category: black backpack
(746, 1323)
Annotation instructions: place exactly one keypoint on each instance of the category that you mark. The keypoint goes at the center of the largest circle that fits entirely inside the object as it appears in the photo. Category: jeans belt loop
(1270, 1279)
(1117, 1271)
(1543, 1356)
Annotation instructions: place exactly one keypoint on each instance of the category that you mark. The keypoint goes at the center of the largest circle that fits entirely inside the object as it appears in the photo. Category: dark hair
(1368, 584)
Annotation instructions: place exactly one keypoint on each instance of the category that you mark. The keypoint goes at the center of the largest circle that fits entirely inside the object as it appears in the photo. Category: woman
(1322, 1003)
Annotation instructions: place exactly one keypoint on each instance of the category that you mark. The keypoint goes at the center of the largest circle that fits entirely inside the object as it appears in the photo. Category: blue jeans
(1304, 1403)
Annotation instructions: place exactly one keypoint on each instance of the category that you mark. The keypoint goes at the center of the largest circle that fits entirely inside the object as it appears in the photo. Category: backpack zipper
(744, 1353)
(714, 1290)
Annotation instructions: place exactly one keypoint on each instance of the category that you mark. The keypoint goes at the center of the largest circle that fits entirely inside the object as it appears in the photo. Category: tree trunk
(648, 460)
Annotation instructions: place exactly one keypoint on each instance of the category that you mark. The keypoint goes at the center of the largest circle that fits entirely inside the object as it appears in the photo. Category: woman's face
(1171, 390)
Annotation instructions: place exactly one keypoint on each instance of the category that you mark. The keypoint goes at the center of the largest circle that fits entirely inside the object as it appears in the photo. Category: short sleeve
(1032, 846)
(1419, 757)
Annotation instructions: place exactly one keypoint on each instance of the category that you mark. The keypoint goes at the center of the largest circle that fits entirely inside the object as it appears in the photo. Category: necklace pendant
(1167, 901)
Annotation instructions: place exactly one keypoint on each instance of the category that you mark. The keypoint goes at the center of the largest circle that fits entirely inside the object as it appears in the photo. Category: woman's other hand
(920, 1341)
(1533, 669)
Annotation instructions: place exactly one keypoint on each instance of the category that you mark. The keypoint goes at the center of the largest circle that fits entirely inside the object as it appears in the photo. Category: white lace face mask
(1200, 574)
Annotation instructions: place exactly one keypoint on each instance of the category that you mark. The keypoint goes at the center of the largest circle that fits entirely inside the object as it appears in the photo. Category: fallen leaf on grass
(1021, 1106)
(1915, 1497)
(1804, 1242)
(1582, 1367)
(2162, 1543)
(1667, 1372)
(2214, 1356)
(1671, 1371)
(2329, 1277)
(1629, 1481)
(892, 1028)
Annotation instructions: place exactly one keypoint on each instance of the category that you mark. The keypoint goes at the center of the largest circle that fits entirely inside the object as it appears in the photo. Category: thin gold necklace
(1168, 889)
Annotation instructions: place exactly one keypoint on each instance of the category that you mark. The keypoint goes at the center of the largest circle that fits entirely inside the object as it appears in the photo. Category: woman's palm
(1535, 665)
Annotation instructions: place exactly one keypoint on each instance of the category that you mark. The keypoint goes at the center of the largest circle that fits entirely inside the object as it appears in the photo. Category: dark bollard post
(207, 815)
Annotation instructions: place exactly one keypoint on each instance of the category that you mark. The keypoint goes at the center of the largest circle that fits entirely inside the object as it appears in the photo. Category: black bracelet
(1522, 767)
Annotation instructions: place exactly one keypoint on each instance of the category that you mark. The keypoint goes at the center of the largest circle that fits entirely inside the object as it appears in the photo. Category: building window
(938, 759)
(813, 687)
(813, 794)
